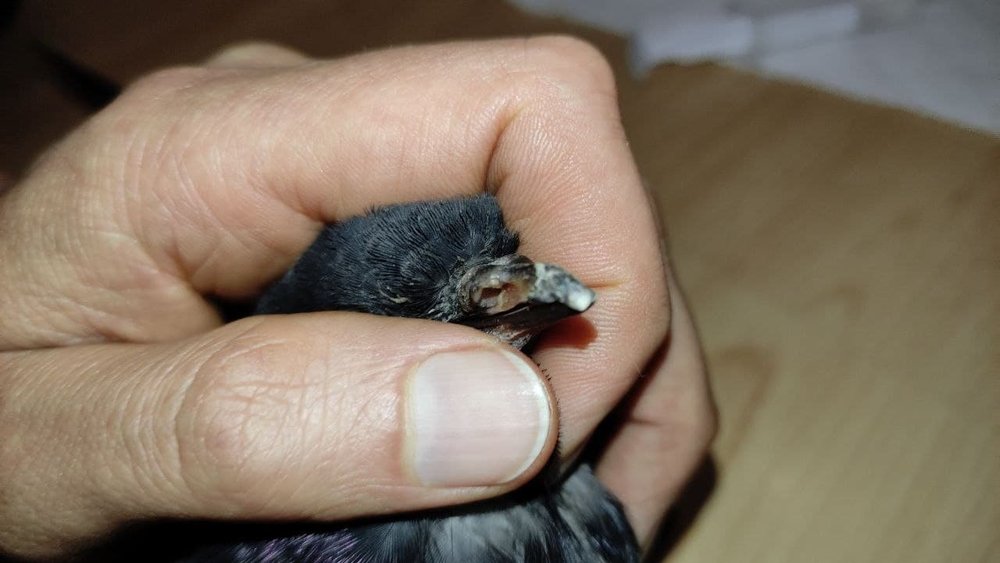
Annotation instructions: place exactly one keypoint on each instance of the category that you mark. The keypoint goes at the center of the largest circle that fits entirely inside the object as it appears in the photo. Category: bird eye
(489, 295)
(499, 299)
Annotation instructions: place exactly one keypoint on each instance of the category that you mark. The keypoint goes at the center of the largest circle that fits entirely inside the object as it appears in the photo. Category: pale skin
(117, 377)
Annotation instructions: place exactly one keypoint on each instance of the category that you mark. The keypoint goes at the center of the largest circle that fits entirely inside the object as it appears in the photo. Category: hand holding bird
(127, 399)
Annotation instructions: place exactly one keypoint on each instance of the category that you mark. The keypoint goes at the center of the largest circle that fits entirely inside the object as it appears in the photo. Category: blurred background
(940, 57)
(830, 177)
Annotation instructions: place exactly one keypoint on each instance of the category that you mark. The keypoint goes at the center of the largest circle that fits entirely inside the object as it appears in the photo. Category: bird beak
(514, 298)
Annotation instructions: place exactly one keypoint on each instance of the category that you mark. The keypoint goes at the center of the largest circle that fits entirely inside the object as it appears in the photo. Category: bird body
(452, 261)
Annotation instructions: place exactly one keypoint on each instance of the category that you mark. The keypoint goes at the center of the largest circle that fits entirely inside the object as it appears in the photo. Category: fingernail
(476, 417)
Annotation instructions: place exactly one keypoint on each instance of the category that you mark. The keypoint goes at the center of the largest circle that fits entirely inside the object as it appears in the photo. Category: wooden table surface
(842, 259)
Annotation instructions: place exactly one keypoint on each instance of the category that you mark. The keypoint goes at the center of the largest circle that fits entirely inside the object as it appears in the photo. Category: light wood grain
(842, 259)
(844, 263)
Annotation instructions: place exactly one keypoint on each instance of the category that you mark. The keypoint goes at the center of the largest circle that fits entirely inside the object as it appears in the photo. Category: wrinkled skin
(123, 396)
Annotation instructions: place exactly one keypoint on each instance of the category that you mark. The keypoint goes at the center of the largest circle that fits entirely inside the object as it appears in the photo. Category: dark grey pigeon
(452, 261)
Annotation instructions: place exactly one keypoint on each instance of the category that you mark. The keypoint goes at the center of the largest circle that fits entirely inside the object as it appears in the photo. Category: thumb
(319, 416)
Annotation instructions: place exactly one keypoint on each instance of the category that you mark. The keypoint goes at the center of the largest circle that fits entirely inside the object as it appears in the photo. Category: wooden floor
(842, 259)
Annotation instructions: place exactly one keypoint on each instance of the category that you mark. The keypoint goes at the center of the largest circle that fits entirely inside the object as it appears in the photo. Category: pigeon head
(452, 260)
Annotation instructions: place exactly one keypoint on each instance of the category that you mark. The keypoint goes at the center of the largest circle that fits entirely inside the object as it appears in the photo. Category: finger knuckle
(153, 98)
(574, 60)
(243, 419)
(164, 81)
(249, 46)
(251, 50)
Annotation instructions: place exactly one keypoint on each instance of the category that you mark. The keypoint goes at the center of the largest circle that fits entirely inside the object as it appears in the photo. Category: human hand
(122, 395)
